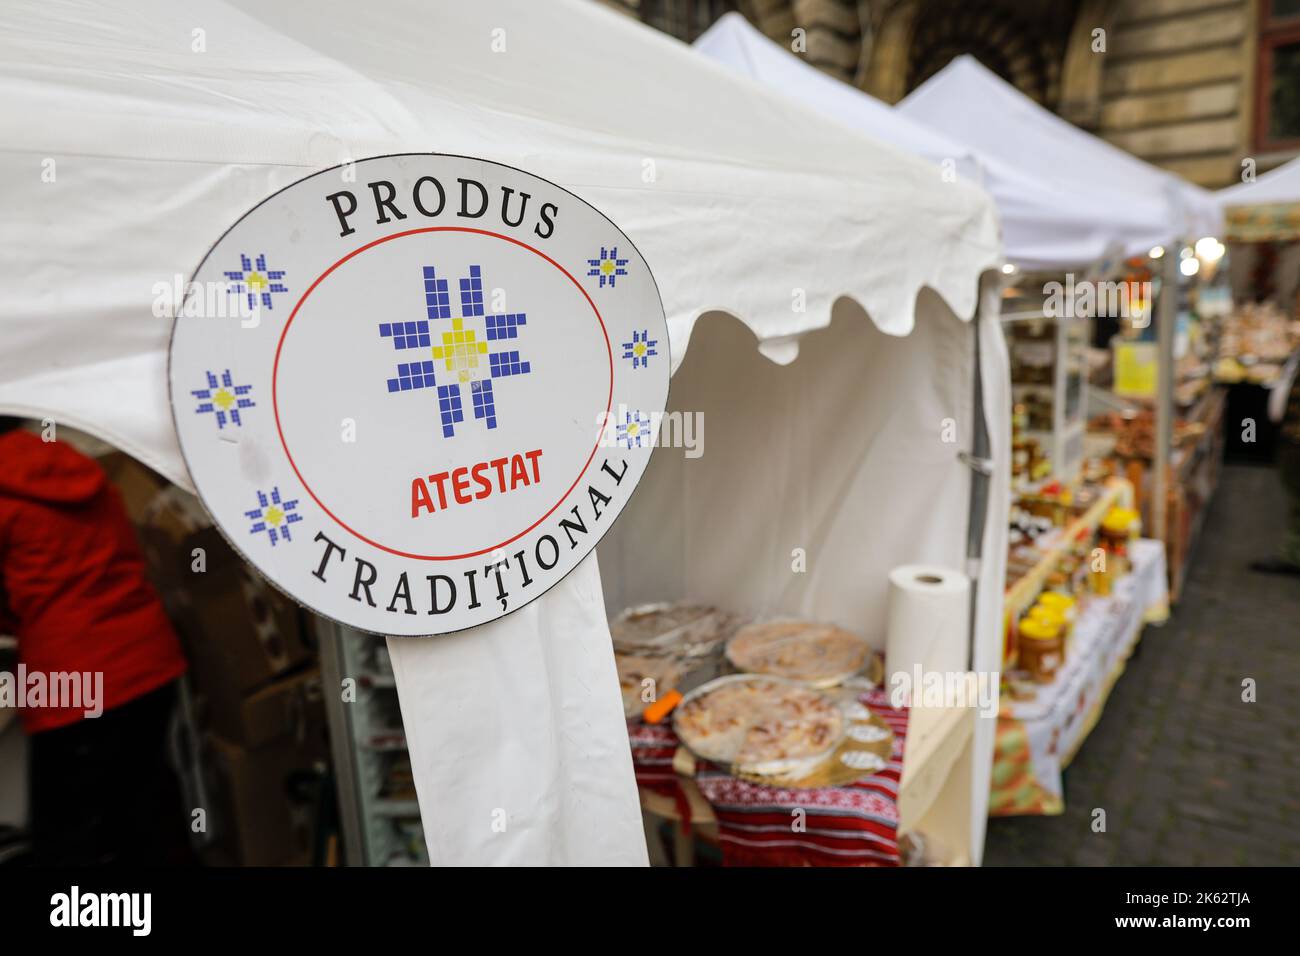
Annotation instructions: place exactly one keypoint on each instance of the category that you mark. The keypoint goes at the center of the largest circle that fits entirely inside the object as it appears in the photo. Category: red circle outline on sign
(275, 404)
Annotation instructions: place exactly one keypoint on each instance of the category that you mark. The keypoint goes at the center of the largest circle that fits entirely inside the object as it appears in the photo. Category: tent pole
(1167, 319)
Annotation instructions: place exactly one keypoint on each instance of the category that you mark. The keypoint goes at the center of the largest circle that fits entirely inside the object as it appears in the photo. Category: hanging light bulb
(1209, 249)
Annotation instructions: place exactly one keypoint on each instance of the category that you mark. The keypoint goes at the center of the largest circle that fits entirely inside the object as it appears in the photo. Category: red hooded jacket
(72, 579)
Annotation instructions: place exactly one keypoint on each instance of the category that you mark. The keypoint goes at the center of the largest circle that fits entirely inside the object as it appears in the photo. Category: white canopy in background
(737, 44)
(1277, 186)
(157, 124)
(1131, 201)
(1043, 227)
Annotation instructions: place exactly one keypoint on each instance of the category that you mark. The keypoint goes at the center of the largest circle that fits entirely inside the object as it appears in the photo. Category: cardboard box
(253, 817)
(137, 485)
(239, 632)
(289, 709)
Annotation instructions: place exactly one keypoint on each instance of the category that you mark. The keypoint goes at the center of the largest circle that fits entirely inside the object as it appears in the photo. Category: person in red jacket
(73, 590)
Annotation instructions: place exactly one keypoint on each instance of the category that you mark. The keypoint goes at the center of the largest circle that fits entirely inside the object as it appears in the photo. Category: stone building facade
(1195, 86)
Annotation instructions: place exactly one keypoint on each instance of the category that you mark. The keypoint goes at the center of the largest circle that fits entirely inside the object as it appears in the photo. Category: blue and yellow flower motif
(460, 358)
(607, 266)
(640, 349)
(273, 516)
(634, 430)
(256, 281)
(223, 399)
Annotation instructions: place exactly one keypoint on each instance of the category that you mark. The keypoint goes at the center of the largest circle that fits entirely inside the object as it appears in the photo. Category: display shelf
(1023, 593)
(1037, 737)
(1196, 476)
(367, 740)
(1194, 468)
(1061, 353)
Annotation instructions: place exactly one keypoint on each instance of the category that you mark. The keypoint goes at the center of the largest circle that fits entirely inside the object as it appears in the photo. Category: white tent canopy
(1042, 226)
(1131, 201)
(741, 203)
(737, 44)
(1277, 186)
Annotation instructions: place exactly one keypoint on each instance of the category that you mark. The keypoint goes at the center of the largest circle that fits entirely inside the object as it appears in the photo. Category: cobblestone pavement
(1188, 774)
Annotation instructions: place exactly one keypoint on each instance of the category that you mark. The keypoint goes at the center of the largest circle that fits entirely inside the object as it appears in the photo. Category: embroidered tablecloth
(761, 825)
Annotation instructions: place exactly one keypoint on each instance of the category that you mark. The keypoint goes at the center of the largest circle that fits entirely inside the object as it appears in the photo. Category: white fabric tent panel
(158, 149)
(839, 453)
(739, 45)
(1281, 185)
(1043, 226)
(523, 725)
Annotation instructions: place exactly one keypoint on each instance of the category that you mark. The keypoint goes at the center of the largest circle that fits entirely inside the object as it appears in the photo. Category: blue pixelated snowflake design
(406, 335)
(607, 267)
(223, 399)
(634, 430)
(273, 516)
(255, 281)
(458, 356)
(640, 349)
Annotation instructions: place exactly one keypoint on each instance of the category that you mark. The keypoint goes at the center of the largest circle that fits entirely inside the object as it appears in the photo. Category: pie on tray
(665, 625)
(759, 723)
(799, 650)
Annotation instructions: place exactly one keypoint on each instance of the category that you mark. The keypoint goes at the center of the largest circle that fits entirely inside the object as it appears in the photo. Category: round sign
(414, 391)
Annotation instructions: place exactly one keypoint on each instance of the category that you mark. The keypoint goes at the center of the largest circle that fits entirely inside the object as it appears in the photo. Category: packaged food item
(1054, 615)
(1041, 648)
(1116, 533)
(1063, 605)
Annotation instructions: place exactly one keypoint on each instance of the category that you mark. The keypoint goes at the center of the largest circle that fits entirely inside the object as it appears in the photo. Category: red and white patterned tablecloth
(761, 825)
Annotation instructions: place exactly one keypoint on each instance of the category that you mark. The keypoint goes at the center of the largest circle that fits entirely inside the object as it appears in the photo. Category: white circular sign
(416, 390)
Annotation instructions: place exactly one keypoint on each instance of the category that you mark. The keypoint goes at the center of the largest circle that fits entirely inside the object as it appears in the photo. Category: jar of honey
(1041, 650)
(1115, 534)
(1061, 603)
(1061, 607)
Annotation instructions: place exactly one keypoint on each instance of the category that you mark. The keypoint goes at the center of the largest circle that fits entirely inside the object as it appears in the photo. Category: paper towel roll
(926, 622)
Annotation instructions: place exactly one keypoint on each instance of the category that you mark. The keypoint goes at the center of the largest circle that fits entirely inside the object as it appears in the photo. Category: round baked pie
(820, 654)
(759, 724)
(666, 626)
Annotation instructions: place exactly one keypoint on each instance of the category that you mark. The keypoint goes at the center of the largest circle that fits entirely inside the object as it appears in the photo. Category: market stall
(1261, 332)
(1142, 211)
(1042, 726)
(849, 376)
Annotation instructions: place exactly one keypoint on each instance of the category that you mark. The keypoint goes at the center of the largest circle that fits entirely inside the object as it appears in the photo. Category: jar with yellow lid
(1060, 608)
(1057, 601)
(1115, 534)
(1041, 650)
